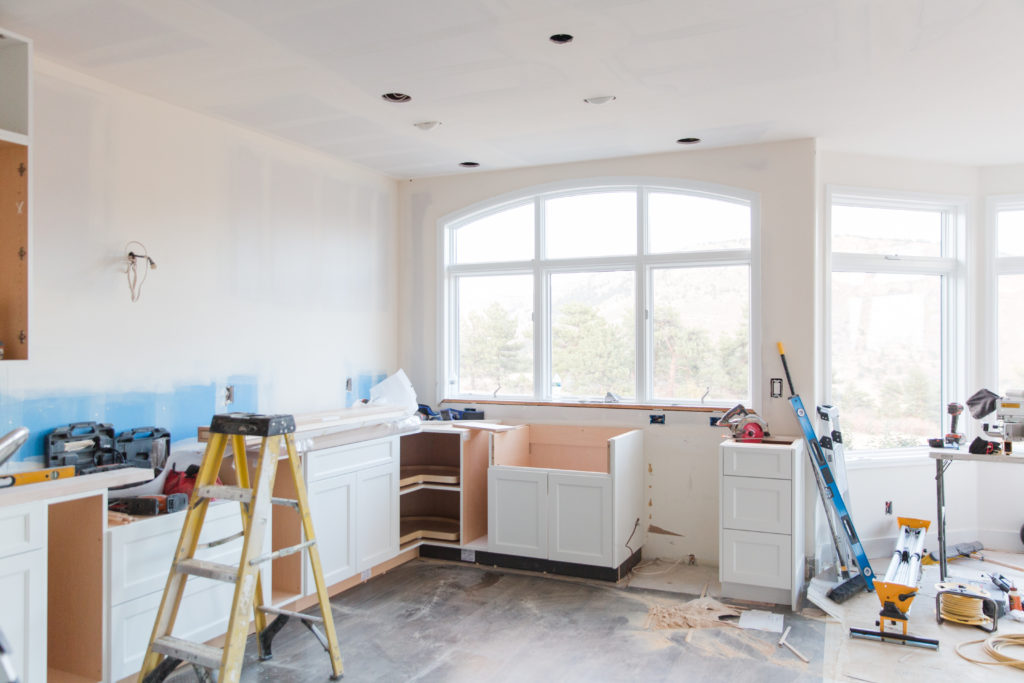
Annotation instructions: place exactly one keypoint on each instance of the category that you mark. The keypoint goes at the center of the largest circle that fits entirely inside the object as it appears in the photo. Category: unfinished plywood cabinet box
(567, 494)
(444, 487)
(761, 521)
(15, 183)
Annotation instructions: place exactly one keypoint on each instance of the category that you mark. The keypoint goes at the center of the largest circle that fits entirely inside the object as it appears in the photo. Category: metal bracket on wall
(22, 169)
(22, 253)
(21, 336)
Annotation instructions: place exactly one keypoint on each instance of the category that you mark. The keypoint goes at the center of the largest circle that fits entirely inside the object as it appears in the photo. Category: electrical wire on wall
(132, 259)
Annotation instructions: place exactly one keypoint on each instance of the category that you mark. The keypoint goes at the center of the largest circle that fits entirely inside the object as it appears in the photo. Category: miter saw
(746, 426)
(1009, 425)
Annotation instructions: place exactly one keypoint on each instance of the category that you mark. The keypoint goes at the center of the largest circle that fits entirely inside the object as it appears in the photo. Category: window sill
(589, 404)
(892, 457)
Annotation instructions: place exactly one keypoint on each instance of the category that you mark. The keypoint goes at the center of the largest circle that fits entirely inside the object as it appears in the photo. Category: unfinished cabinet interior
(567, 494)
(443, 487)
(15, 70)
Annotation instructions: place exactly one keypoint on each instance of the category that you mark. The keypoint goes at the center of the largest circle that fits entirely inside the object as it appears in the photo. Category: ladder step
(288, 502)
(210, 570)
(282, 552)
(295, 615)
(187, 651)
(225, 493)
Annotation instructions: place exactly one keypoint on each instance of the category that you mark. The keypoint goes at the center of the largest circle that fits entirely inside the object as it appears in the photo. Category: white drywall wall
(274, 262)
(681, 454)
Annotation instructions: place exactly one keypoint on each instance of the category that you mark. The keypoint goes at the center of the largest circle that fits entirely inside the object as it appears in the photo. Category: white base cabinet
(139, 560)
(23, 587)
(566, 493)
(761, 522)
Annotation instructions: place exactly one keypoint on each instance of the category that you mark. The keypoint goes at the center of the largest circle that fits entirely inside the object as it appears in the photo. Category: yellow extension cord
(992, 649)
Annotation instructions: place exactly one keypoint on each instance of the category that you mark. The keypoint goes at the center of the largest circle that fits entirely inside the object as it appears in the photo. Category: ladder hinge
(22, 253)
(22, 168)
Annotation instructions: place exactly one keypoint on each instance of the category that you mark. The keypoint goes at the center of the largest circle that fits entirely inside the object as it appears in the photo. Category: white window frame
(951, 264)
(996, 266)
(640, 263)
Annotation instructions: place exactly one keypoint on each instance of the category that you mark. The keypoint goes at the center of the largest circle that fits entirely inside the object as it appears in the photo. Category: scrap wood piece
(699, 613)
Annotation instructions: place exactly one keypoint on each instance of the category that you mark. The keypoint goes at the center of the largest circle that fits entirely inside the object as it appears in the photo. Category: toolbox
(89, 446)
(144, 446)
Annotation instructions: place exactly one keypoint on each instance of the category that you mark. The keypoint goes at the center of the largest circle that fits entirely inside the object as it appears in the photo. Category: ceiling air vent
(396, 97)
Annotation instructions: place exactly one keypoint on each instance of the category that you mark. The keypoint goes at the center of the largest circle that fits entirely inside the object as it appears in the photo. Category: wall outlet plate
(365, 576)
(468, 555)
(658, 419)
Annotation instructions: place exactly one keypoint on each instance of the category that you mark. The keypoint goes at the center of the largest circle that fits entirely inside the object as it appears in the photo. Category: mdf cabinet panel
(518, 511)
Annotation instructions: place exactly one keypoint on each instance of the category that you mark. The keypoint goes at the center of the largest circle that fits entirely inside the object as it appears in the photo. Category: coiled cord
(993, 645)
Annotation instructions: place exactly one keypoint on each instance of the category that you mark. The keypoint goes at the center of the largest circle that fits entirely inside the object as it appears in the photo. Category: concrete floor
(438, 621)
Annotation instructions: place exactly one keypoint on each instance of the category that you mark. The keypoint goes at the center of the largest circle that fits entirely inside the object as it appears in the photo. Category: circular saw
(746, 427)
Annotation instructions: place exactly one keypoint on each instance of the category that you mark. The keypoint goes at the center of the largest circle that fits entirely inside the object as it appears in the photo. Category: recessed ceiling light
(561, 39)
(396, 97)
(688, 141)
(601, 99)
(427, 125)
(469, 164)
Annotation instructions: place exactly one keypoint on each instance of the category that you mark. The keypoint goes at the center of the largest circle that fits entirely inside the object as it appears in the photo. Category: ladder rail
(242, 468)
(187, 542)
(313, 553)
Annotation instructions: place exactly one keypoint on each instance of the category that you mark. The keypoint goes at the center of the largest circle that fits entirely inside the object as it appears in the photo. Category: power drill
(954, 438)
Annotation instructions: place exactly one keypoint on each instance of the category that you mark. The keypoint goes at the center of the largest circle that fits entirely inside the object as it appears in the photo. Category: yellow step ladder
(166, 652)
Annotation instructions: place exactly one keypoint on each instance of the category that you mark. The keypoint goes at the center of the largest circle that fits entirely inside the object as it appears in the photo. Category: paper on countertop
(761, 620)
(395, 390)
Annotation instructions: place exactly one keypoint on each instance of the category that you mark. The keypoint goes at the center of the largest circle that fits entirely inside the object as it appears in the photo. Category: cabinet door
(753, 504)
(376, 516)
(332, 507)
(517, 511)
(23, 612)
(580, 518)
(756, 559)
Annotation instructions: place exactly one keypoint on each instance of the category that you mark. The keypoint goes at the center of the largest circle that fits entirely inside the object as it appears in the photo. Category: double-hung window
(633, 292)
(1009, 269)
(895, 313)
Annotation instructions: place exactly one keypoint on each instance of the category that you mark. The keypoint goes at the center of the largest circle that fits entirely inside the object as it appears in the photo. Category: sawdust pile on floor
(699, 613)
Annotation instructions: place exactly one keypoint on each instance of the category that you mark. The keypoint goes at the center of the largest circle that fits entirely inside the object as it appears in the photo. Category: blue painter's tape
(363, 384)
(181, 411)
(246, 393)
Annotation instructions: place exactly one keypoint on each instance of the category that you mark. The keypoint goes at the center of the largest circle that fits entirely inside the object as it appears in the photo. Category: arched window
(637, 291)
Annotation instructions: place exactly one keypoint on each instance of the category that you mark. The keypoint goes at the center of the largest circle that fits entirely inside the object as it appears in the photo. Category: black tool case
(86, 445)
(144, 446)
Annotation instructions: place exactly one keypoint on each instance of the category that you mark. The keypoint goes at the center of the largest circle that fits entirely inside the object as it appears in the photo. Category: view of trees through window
(692, 344)
(890, 278)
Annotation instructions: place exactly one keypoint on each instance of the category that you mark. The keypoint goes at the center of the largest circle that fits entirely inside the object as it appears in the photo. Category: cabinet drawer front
(22, 528)
(757, 504)
(342, 459)
(141, 552)
(202, 615)
(753, 460)
(756, 559)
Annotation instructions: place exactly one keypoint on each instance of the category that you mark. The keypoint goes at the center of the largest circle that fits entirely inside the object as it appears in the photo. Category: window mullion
(541, 326)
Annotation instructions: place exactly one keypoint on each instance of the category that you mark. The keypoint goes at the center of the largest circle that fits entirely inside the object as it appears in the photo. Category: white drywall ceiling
(928, 79)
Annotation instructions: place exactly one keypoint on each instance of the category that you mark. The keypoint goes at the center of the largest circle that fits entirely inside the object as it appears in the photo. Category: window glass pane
(872, 230)
(683, 222)
(701, 333)
(1011, 332)
(503, 236)
(495, 335)
(595, 224)
(593, 334)
(1010, 232)
(886, 358)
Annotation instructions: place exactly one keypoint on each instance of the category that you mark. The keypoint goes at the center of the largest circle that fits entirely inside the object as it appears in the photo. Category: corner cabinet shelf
(443, 486)
(15, 216)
